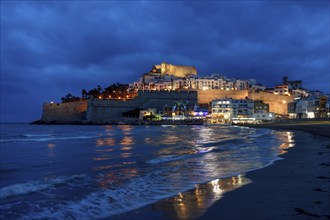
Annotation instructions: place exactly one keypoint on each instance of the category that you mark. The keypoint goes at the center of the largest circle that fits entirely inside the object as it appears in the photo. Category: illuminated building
(224, 110)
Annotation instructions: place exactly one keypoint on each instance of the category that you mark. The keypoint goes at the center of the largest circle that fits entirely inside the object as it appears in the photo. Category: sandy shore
(297, 187)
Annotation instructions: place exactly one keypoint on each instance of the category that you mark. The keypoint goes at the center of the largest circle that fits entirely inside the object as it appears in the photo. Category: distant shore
(319, 127)
(128, 121)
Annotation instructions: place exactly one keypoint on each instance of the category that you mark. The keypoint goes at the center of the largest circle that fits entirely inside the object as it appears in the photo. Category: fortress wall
(103, 110)
(207, 96)
(181, 71)
(277, 103)
(64, 112)
(109, 110)
(143, 96)
(160, 99)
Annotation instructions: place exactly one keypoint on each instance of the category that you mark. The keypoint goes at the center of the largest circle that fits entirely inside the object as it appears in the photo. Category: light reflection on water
(193, 203)
(149, 162)
(188, 155)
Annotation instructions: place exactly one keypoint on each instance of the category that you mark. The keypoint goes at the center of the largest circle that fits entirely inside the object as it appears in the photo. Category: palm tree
(83, 94)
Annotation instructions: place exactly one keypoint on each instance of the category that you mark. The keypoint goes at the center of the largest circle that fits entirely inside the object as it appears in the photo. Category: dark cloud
(50, 48)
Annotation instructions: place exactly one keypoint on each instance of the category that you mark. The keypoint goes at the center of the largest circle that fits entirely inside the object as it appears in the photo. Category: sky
(51, 48)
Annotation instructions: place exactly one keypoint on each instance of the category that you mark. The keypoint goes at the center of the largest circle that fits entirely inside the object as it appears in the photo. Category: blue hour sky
(51, 48)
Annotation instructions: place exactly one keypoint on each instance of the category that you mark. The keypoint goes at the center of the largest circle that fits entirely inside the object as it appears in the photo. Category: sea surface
(98, 172)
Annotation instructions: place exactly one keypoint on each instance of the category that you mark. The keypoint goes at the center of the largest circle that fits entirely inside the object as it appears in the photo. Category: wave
(261, 132)
(169, 158)
(137, 193)
(45, 138)
(199, 151)
(33, 186)
(37, 135)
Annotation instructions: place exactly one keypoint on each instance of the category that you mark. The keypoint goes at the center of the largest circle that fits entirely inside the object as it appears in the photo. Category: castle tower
(163, 68)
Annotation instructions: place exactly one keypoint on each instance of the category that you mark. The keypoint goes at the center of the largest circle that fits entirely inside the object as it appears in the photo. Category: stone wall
(108, 110)
(207, 96)
(64, 112)
(277, 103)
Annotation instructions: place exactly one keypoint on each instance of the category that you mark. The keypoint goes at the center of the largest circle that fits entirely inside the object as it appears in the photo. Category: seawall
(110, 110)
(69, 112)
(99, 111)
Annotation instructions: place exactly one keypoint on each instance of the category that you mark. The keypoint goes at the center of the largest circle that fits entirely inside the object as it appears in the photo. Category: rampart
(107, 110)
(64, 112)
(277, 103)
(207, 96)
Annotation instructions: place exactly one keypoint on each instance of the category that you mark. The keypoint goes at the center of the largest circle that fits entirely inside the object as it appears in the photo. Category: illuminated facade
(302, 93)
(157, 81)
(224, 110)
(173, 70)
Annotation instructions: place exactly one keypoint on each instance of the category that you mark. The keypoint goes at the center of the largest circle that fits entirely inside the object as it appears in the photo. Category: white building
(214, 81)
(225, 110)
(306, 108)
(281, 90)
(302, 93)
(257, 87)
(264, 116)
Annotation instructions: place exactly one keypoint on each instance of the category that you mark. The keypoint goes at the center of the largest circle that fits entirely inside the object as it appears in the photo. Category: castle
(173, 70)
(174, 84)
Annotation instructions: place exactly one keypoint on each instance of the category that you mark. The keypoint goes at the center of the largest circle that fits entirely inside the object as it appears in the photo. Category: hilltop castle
(174, 70)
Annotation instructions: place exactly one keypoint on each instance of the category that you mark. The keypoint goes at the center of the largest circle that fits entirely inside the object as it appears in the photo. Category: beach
(297, 187)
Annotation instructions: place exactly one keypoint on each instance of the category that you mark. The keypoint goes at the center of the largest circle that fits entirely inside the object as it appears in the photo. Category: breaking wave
(137, 193)
(46, 138)
(34, 186)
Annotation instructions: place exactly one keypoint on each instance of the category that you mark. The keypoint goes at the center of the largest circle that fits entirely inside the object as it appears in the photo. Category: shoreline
(296, 187)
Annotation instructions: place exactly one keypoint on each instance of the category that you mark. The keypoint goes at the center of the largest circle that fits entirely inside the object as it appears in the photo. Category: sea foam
(33, 186)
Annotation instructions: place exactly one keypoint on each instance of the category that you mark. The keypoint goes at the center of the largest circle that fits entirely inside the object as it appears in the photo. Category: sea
(102, 172)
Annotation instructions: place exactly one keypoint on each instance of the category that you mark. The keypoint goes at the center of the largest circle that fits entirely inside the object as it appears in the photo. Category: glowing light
(284, 101)
(310, 115)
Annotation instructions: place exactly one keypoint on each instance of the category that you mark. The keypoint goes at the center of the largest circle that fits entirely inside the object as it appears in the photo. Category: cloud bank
(51, 48)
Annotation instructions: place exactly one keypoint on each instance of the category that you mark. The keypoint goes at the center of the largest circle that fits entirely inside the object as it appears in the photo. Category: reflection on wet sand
(288, 142)
(191, 204)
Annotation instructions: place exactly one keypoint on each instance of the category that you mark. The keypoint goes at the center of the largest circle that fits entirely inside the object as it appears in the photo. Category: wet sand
(297, 187)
